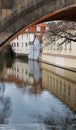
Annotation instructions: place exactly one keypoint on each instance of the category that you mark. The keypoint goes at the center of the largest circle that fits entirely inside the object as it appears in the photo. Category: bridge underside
(15, 25)
(68, 14)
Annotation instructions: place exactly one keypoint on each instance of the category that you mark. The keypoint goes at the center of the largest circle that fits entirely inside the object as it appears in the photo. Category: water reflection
(5, 105)
(38, 96)
(62, 85)
(23, 74)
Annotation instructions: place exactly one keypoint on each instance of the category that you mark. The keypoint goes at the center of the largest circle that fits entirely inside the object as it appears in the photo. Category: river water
(36, 96)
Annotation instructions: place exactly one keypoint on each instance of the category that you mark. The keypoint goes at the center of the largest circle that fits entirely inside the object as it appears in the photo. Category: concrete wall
(65, 62)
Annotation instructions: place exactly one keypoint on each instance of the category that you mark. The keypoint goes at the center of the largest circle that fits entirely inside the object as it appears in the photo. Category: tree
(61, 35)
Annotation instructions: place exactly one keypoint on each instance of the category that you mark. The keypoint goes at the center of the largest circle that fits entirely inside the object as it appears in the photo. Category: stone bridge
(17, 15)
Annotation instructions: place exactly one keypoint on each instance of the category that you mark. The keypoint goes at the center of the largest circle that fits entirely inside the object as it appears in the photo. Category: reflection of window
(60, 86)
(53, 82)
(64, 87)
(38, 29)
(75, 99)
(26, 30)
(57, 83)
(69, 89)
(17, 69)
(64, 90)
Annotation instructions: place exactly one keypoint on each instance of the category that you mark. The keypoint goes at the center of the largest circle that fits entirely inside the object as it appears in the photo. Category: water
(36, 96)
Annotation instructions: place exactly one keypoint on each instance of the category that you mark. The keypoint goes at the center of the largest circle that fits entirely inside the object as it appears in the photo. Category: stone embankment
(7, 52)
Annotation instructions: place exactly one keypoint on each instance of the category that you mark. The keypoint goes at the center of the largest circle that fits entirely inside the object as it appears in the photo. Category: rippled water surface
(36, 96)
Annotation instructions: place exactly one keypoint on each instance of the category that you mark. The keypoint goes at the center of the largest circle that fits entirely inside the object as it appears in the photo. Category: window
(60, 86)
(14, 45)
(17, 69)
(27, 35)
(26, 30)
(65, 46)
(22, 36)
(17, 44)
(47, 29)
(69, 89)
(38, 29)
(22, 44)
(70, 48)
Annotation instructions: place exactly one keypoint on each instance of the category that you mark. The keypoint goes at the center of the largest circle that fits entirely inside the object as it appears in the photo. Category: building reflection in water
(61, 83)
(45, 92)
(26, 74)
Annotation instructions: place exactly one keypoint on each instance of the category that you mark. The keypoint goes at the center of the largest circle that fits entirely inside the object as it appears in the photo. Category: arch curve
(44, 10)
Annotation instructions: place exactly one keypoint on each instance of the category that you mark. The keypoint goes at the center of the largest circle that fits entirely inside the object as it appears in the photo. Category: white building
(34, 49)
(20, 44)
(26, 44)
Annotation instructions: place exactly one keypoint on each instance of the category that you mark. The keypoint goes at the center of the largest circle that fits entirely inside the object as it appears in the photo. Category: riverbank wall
(61, 61)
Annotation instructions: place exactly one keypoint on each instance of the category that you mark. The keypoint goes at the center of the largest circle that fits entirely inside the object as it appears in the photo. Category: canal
(36, 96)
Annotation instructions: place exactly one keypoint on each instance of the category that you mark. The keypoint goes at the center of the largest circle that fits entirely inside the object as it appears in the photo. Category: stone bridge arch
(33, 12)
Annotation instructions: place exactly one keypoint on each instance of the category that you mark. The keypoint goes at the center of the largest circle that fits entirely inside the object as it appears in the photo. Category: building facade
(20, 44)
(29, 43)
(59, 50)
